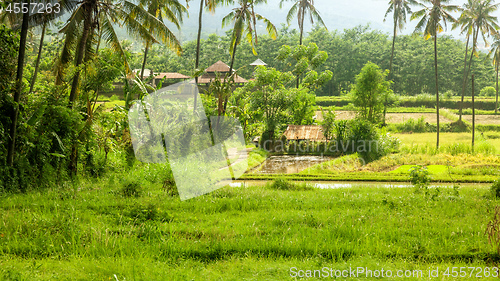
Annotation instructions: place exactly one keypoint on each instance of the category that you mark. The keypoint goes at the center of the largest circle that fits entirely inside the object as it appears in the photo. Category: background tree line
(348, 51)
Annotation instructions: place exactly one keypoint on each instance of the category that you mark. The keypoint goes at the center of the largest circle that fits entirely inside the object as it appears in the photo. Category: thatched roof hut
(222, 69)
(304, 132)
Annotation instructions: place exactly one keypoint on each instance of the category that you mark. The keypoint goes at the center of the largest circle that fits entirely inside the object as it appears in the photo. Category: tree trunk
(80, 54)
(392, 51)
(474, 42)
(464, 80)
(231, 70)
(473, 115)
(300, 40)
(233, 57)
(198, 42)
(98, 42)
(19, 87)
(37, 64)
(144, 60)
(302, 26)
(496, 103)
(73, 161)
(437, 89)
(390, 63)
(198, 39)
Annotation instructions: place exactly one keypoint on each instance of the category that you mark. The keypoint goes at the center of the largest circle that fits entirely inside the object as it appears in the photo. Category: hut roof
(218, 67)
(258, 62)
(171, 75)
(304, 132)
(137, 72)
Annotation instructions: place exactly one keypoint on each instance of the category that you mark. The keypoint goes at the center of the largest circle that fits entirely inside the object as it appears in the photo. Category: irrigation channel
(350, 184)
(289, 164)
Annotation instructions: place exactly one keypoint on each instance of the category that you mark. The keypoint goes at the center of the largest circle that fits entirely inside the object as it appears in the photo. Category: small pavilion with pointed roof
(258, 62)
(222, 69)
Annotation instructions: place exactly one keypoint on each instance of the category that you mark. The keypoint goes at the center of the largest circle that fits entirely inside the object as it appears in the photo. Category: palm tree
(24, 21)
(170, 10)
(465, 22)
(210, 5)
(39, 55)
(91, 16)
(244, 21)
(430, 21)
(495, 56)
(399, 9)
(301, 7)
(18, 88)
(478, 18)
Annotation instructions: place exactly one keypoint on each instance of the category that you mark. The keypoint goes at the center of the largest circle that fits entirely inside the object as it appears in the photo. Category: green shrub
(488, 92)
(131, 189)
(448, 94)
(363, 137)
(495, 188)
(284, 184)
(419, 177)
(413, 126)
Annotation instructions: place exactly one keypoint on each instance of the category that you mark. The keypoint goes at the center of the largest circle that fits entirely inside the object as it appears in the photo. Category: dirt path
(484, 119)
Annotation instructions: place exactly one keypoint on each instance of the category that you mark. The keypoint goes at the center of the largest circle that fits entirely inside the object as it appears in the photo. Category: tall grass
(91, 232)
(481, 146)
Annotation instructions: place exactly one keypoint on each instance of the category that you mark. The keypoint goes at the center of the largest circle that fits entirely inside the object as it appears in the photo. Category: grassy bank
(92, 231)
(453, 162)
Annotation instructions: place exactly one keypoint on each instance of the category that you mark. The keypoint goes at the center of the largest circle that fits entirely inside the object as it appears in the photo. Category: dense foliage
(348, 51)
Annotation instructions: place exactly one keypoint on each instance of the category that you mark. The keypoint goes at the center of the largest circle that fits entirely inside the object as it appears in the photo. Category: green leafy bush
(131, 189)
(495, 188)
(488, 92)
(414, 126)
(419, 177)
(369, 142)
(284, 184)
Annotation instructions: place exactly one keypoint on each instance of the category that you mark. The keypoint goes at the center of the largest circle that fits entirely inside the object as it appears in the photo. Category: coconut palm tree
(465, 22)
(99, 17)
(89, 17)
(170, 10)
(210, 5)
(24, 21)
(399, 10)
(18, 88)
(478, 18)
(244, 20)
(495, 56)
(431, 21)
(301, 7)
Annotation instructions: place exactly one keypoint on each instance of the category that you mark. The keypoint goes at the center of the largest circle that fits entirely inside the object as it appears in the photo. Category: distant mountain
(337, 15)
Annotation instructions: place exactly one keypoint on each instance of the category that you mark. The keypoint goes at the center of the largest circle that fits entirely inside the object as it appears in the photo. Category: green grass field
(448, 139)
(93, 232)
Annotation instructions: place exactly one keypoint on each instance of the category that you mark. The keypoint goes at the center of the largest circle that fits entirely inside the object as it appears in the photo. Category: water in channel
(289, 164)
